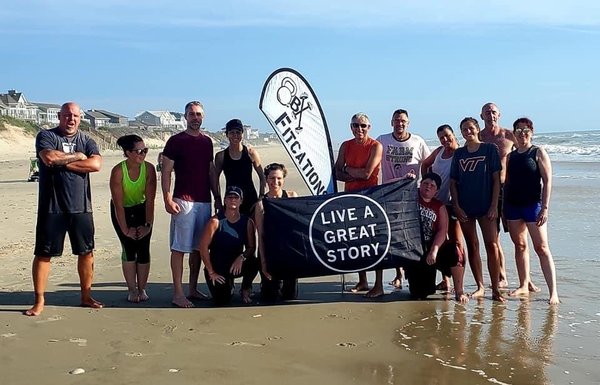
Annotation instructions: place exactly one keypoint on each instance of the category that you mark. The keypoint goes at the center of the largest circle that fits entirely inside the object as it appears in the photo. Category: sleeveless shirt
(134, 192)
(357, 155)
(523, 184)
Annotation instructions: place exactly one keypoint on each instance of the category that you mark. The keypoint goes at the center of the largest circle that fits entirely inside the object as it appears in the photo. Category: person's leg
(85, 268)
(362, 284)
(40, 271)
(377, 290)
(195, 262)
(179, 298)
(470, 232)
(539, 237)
(518, 235)
(130, 272)
(397, 281)
(489, 230)
(458, 272)
(250, 269)
(502, 280)
(143, 271)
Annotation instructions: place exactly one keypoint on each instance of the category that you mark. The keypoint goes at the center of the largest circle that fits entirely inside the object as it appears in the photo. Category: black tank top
(524, 181)
(239, 173)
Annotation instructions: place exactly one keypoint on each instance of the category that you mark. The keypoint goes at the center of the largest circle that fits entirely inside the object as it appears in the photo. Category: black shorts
(51, 229)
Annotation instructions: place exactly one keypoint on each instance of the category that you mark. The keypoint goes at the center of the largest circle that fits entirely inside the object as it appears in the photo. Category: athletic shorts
(187, 226)
(51, 229)
(527, 213)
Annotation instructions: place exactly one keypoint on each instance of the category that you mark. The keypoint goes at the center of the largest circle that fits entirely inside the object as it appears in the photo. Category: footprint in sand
(78, 341)
(274, 338)
(347, 344)
(241, 343)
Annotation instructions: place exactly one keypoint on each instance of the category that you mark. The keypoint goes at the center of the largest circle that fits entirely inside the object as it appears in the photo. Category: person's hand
(236, 266)
(542, 217)
(410, 175)
(172, 207)
(143, 231)
(130, 232)
(431, 258)
(265, 272)
(460, 214)
(492, 213)
(216, 278)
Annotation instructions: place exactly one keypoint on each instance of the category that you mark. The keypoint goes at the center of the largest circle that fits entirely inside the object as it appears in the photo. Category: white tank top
(441, 167)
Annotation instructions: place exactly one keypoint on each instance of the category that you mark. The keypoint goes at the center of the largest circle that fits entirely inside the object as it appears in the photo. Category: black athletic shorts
(51, 229)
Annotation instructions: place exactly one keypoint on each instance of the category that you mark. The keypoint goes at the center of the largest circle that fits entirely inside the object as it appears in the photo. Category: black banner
(370, 229)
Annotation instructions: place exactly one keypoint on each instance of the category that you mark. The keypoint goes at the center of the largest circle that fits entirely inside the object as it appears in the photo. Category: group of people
(497, 177)
(459, 187)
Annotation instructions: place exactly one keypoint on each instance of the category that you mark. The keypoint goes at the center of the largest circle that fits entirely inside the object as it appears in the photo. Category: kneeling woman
(227, 241)
(133, 189)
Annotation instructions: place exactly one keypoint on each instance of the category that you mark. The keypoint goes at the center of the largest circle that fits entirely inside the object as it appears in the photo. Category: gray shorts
(187, 226)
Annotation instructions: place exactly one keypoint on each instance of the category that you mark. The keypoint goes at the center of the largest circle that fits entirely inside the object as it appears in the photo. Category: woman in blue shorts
(526, 198)
(133, 189)
(475, 186)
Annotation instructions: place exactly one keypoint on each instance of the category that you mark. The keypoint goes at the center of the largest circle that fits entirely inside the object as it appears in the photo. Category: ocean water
(526, 341)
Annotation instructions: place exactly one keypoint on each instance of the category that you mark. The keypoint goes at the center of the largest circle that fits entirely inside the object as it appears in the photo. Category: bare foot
(143, 296)
(133, 296)
(36, 310)
(497, 296)
(198, 295)
(521, 290)
(502, 283)
(397, 283)
(181, 301)
(478, 293)
(462, 298)
(532, 288)
(359, 287)
(245, 293)
(375, 292)
(554, 300)
(92, 303)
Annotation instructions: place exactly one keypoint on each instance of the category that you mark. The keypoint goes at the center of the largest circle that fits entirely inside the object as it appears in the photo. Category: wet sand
(324, 337)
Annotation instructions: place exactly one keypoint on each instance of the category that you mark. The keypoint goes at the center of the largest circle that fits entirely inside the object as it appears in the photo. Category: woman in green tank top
(133, 189)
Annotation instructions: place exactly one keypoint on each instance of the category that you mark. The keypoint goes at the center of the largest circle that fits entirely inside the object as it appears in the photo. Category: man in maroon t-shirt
(190, 155)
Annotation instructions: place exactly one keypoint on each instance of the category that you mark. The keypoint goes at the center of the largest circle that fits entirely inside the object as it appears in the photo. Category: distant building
(103, 118)
(250, 133)
(161, 119)
(47, 113)
(15, 104)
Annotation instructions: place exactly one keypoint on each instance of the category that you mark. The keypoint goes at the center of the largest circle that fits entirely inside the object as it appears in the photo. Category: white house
(162, 119)
(15, 105)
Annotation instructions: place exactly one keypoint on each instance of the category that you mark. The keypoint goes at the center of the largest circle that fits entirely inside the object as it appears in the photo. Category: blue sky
(440, 60)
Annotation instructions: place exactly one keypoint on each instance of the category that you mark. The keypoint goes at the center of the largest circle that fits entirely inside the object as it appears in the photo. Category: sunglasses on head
(140, 151)
(361, 125)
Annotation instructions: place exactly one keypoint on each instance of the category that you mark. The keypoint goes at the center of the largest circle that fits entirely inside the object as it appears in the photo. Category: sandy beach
(323, 337)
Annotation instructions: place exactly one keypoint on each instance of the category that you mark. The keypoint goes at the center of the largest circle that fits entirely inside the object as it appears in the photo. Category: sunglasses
(140, 151)
(522, 130)
(361, 125)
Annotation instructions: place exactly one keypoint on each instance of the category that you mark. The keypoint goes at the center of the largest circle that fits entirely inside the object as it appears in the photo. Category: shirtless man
(504, 139)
